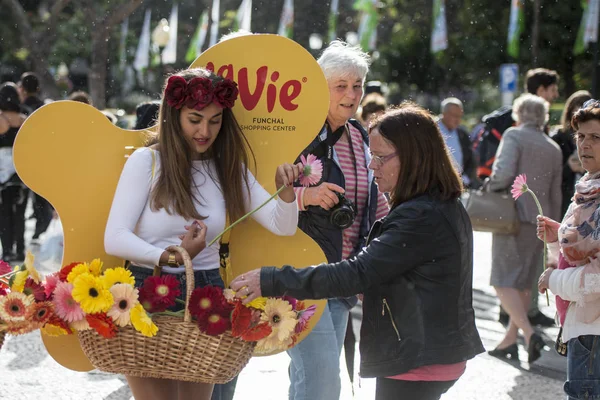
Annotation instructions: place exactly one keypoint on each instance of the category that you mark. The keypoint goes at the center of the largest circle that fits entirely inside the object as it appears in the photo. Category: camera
(343, 213)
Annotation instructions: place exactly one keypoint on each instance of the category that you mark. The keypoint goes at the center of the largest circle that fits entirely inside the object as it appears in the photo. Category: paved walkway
(28, 372)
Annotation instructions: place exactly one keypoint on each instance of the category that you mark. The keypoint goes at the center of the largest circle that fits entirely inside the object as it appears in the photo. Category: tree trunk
(535, 34)
(97, 73)
(105, 20)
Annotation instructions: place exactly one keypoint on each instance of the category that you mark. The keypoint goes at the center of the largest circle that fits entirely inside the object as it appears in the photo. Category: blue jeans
(583, 368)
(315, 364)
(201, 278)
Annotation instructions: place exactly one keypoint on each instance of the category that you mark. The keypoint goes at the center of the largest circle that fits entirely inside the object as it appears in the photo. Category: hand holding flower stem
(520, 187)
(310, 174)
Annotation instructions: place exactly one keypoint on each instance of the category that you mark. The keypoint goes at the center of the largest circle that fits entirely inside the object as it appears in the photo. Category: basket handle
(189, 274)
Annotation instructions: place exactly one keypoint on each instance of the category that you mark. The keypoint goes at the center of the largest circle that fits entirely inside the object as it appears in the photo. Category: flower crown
(200, 92)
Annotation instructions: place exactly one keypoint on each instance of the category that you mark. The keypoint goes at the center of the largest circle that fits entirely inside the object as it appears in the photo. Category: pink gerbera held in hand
(519, 186)
(312, 170)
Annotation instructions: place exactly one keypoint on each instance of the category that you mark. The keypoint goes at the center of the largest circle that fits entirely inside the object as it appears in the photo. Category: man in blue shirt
(457, 139)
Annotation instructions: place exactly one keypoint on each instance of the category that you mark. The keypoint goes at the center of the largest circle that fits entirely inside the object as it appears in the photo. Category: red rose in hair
(226, 93)
(176, 91)
(199, 93)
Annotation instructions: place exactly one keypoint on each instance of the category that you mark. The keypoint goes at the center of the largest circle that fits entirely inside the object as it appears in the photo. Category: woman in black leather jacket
(418, 325)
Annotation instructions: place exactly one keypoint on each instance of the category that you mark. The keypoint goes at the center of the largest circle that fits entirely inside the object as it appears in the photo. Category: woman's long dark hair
(425, 161)
(231, 153)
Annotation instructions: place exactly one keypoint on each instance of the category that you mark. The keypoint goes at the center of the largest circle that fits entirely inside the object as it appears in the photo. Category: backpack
(488, 139)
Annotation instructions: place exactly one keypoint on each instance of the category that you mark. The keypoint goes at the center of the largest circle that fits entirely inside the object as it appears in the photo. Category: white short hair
(451, 101)
(234, 34)
(530, 109)
(340, 59)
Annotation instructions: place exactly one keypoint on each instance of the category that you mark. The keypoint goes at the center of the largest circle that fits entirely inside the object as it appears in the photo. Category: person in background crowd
(81, 97)
(574, 243)
(457, 140)
(541, 82)
(416, 272)
(29, 91)
(13, 192)
(564, 136)
(516, 259)
(146, 114)
(372, 105)
(111, 117)
(337, 213)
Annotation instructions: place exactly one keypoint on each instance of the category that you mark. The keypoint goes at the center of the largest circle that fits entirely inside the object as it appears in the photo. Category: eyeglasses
(380, 160)
(591, 103)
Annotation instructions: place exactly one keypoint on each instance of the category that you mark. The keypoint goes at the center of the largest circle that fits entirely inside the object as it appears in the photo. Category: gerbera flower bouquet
(24, 303)
(273, 323)
(87, 296)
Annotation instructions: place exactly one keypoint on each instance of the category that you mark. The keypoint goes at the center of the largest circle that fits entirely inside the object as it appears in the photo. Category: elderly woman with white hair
(337, 213)
(517, 259)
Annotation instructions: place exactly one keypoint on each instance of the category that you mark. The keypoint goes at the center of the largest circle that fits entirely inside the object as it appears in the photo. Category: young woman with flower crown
(180, 191)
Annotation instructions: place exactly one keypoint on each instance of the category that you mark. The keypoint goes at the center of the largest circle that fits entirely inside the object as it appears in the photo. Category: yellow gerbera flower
(281, 317)
(113, 276)
(18, 282)
(258, 303)
(142, 322)
(96, 267)
(33, 274)
(91, 294)
(53, 330)
(80, 269)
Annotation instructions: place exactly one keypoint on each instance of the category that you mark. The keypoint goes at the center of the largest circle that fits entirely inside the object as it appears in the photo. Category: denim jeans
(315, 364)
(583, 368)
(201, 278)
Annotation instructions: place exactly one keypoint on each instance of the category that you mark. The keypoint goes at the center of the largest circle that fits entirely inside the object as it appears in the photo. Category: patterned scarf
(579, 237)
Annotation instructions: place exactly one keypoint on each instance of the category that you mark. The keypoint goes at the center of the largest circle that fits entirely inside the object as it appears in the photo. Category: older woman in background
(337, 213)
(517, 259)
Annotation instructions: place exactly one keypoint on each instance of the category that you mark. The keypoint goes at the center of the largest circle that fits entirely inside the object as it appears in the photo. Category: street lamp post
(315, 42)
(160, 38)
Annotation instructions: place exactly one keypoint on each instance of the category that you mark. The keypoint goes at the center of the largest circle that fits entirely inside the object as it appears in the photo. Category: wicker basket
(179, 350)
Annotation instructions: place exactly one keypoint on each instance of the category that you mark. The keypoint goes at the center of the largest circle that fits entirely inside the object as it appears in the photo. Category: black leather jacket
(416, 276)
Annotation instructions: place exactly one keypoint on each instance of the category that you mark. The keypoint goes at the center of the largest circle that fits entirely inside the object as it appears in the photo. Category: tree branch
(47, 35)
(22, 22)
(118, 14)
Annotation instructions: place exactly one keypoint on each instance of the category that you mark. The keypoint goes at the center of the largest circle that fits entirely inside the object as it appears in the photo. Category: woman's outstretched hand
(550, 226)
(286, 175)
(194, 241)
(247, 286)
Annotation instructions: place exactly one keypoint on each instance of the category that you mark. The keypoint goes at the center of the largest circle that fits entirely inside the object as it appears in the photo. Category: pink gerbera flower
(312, 170)
(5, 268)
(50, 284)
(303, 317)
(519, 186)
(65, 306)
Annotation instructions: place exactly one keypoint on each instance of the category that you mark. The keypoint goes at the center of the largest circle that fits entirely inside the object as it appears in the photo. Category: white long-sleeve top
(566, 283)
(137, 233)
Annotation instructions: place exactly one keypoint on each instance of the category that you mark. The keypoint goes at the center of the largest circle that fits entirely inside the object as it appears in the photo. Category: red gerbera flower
(258, 332)
(209, 299)
(2, 289)
(40, 313)
(159, 293)
(64, 272)
(57, 321)
(5, 267)
(213, 323)
(240, 319)
(34, 289)
(102, 324)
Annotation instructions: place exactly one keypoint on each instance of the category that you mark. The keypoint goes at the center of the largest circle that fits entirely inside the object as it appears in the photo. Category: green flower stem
(539, 207)
(246, 216)
(180, 301)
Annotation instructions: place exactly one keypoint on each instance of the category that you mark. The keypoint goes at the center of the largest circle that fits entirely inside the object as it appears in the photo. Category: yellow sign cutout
(70, 153)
